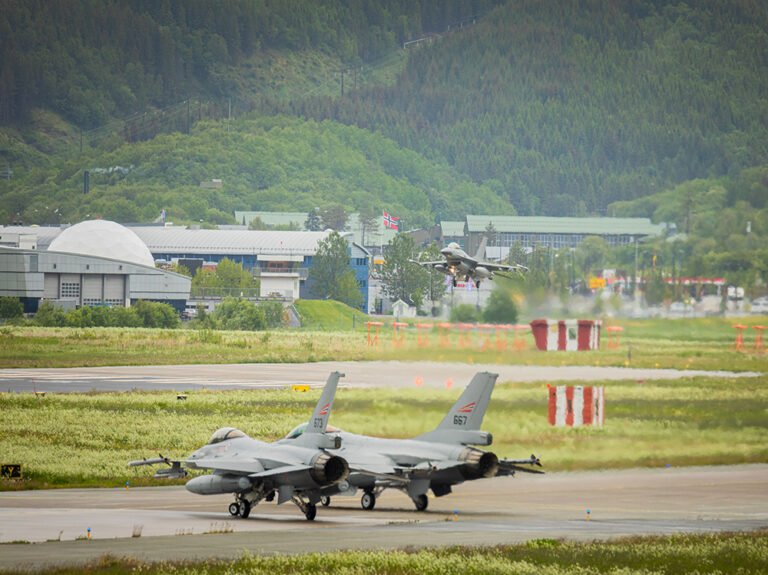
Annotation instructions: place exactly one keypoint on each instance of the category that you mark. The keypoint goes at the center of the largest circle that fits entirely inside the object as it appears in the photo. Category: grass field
(743, 553)
(87, 439)
(706, 343)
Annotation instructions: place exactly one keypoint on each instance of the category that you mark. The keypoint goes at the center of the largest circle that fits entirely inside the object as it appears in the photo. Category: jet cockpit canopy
(225, 433)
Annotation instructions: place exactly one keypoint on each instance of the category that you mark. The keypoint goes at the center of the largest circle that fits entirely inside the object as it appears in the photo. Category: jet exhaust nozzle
(329, 469)
(479, 463)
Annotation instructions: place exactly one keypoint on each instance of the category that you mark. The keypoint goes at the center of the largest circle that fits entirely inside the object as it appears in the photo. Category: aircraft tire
(325, 500)
(421, 502)
(234, 509)
(368, 501)
(311, 512)
(244, 508)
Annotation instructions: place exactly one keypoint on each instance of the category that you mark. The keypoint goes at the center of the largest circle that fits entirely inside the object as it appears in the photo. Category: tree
(592, 254)
(334, 217)
(239, 314)
(228, 275)
(11, 307)
(437, 283)
(330, 275)
(464, 313)
(400, 277)
(313, 223)
(501, 307)
(368, 215)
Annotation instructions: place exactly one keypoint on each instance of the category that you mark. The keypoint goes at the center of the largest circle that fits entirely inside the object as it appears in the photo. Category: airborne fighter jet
(254, 470)
(436, 460)
(458, 263)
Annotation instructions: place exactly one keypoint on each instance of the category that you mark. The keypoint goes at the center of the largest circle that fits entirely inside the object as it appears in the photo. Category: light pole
(634, 278)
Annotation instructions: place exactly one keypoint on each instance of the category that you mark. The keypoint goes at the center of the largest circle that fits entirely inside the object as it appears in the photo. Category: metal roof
(272, 218)
(181, 240)
(452, 229)
(554, 225)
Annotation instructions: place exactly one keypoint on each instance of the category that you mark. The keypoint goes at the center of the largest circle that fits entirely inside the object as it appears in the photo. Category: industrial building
(555, 233)
(89, 264)
(279, 259)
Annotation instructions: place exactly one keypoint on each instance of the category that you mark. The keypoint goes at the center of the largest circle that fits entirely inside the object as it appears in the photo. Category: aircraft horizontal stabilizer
(510, 466)
(235, 465)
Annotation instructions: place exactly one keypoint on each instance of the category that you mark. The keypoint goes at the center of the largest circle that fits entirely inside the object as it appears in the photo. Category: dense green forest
(93, 60)
(268, 163)
(564, 108)
(634, 107)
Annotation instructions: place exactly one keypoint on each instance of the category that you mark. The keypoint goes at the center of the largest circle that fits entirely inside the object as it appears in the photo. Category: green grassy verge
(329, 315)
(706, 343)
(743, 553)
(697, 421)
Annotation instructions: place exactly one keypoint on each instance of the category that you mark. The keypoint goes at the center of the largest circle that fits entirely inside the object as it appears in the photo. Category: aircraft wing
(235, 465)
(502, 267)
(510, 466)
(429, 264)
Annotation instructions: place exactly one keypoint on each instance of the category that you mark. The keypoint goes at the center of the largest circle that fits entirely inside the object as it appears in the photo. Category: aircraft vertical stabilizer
(314, 435)
(463, 421)
(480, 255)
(319, 420)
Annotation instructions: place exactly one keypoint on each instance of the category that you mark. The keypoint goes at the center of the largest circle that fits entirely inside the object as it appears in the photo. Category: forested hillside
(270, 163)
(91, 61)
(528, 106)
(565, 107)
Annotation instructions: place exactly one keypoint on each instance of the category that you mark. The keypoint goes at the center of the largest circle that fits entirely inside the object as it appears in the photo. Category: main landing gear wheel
(244, 508)
(311, 512)
(234, 509)
(421, 502)
(325, 500)
(368, 501)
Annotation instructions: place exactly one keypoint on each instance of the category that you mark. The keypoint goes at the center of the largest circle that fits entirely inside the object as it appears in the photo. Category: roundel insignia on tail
(469, 408)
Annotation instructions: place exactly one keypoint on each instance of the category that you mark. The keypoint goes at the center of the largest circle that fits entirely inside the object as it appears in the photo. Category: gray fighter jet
(436, 460)
(458, 263)
(254, 470)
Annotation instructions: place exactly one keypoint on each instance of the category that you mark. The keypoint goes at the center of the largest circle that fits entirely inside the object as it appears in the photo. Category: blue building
(280, 259)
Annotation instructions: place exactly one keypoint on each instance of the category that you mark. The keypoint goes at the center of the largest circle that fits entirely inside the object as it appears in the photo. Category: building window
(70, 290)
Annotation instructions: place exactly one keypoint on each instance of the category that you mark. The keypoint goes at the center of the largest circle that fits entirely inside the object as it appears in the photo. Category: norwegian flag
(391, 222)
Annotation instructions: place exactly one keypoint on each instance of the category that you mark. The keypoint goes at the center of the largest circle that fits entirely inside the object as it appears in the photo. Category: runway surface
(174, 524)
(265, 375)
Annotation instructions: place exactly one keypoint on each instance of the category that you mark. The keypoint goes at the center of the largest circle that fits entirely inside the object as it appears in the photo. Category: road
(358, 374)
(174, 524)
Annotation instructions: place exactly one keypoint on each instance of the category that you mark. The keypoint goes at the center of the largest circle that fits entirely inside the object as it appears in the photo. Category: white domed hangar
(95, 262)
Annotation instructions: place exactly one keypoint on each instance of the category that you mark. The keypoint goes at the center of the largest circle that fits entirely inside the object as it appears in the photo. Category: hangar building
(280, 259)
(95, 262)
